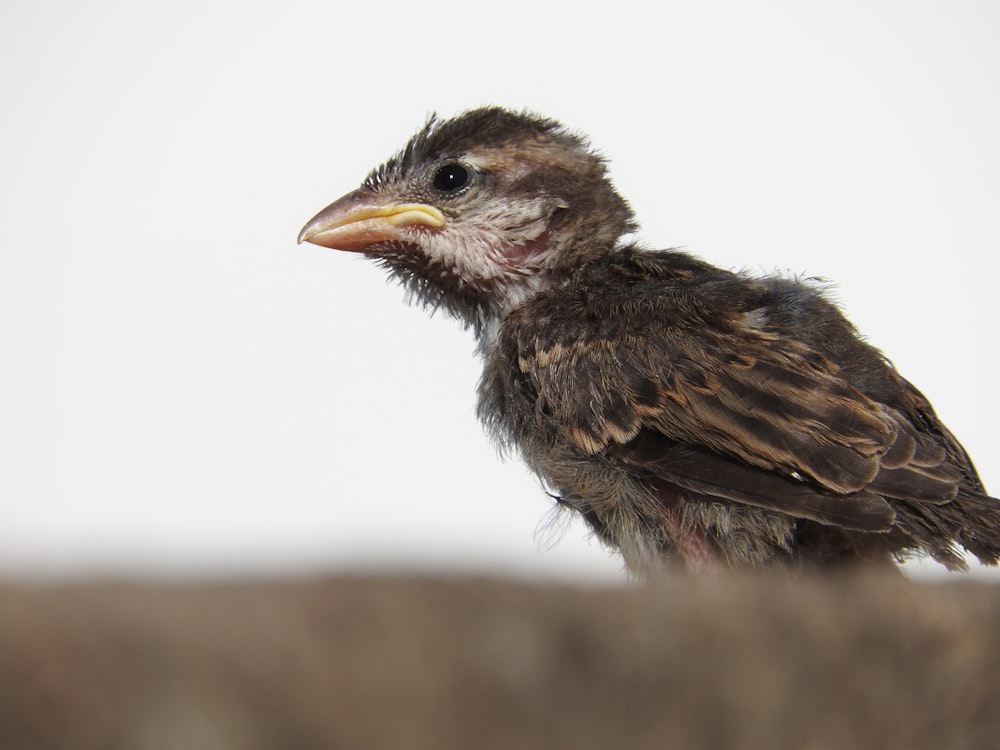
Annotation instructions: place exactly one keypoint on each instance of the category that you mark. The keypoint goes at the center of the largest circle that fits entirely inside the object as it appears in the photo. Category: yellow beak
(356, 222)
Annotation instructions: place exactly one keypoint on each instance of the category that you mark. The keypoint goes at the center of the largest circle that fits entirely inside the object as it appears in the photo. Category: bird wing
(730, 410)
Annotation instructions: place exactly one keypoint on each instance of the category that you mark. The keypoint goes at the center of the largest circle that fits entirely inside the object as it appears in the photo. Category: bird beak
(357, 221)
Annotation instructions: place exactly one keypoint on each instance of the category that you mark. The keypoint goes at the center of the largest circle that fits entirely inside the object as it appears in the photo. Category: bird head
(479, 212)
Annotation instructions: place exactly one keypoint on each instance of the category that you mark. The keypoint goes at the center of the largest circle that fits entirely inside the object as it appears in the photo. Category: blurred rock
(862, 661)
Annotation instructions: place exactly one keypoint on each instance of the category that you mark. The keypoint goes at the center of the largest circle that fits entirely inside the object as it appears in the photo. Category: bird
(698, 419)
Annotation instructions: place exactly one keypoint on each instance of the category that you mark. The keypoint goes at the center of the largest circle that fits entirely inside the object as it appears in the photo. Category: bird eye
(451, 177)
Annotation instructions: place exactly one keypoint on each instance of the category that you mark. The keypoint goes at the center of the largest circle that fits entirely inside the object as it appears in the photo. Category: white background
(183, 390)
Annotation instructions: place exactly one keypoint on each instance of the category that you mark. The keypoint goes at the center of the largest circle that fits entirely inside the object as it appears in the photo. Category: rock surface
(860, 661)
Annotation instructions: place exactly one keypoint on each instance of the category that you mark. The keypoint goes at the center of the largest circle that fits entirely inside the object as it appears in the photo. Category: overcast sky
(185, 390)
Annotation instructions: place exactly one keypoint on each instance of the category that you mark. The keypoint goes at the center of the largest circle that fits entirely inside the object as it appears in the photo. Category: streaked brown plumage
(686, 411)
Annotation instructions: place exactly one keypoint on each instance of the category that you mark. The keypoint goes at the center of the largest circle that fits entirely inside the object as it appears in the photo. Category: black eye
(451, 177)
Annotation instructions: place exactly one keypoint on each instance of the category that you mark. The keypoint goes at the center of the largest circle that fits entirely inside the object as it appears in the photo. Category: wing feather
(734, 411)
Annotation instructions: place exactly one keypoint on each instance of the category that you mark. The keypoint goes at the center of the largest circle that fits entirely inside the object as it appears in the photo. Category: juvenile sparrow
(689, 413)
